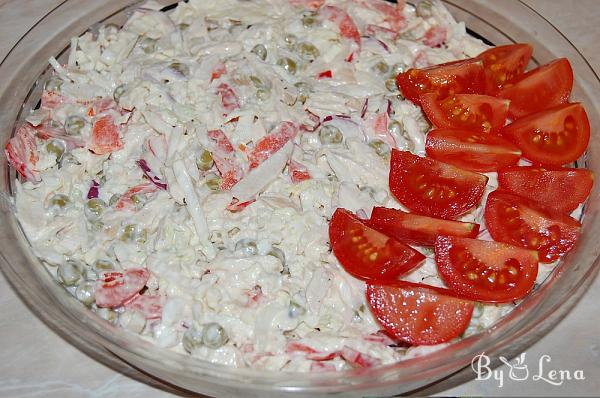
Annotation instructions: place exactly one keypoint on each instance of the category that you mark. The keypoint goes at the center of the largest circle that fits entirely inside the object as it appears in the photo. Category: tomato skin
(419, 314)
(432, 188)
(484, 270)
(520, 222)
(504, 65)
(554, 137)
(380, 258)
(416, 229)
(481, 112)
(471, 150)
(457, 77)
(544, 87)
(561, 190)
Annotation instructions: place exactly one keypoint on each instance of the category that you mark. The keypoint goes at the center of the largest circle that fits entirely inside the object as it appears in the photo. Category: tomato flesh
(366, 253)
(561, 190)
(504, 65)
(539, 89)
(484, 270)
(416, 229)
(471, 150)
(466, 111)
(554, 137)
(419, 314)
(520, 222)
(105, 136)
(116, 288)
(429, 187)
(457, 77)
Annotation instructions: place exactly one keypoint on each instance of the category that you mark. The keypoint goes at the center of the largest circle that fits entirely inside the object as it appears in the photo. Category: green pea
(308, 51)
(53, 84)
(134, 233)
(54, 124)
(424, 9)
(390, 84)
(260, 51)
(381, 68)
(303, 86)
(290, 40)
(396, 128)
(67, 159)
(108, 314)
(424, 125)
(97, 225)
(213, 182)
(304, 89)
(69, 273)
(102, 265)
(139, 200)
(257, 81)
(57, 148)
(74, 124)
(180, 68)
(288, 64)
(119, 91)
(214, 335)
(114, 199)
(295, 310)
(247, 246)
(398, 68)
(94, 208)
(128, 233)
(263, 94)
(381, 148)
(205, 161)
(58, 202)
(330, 135)
(308, 21)
(192, 339)
(85, 292)
(147, 45)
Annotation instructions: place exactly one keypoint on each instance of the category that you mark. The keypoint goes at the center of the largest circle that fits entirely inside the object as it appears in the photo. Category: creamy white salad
(197, 155)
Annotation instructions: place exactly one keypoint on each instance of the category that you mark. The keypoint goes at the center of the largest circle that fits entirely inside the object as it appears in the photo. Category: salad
(222, 178)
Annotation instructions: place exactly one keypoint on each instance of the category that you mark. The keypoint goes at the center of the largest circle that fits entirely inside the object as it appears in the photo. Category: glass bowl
(498, 22)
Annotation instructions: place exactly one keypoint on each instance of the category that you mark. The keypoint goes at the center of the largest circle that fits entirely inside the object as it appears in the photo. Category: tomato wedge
(517, 221)
(419, 314)
(465, 76)
(504, 65)
(427, 186)
(560, 190)
(541, 88)
(553, 137)
(484, 270)
(366, 253)
(471, 150)
(466, 111)
(416, 229)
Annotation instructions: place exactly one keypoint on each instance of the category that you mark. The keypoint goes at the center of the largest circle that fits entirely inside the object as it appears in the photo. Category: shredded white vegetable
(166, 146)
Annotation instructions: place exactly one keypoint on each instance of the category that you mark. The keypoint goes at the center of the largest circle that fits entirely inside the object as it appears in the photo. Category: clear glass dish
(497, 22)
